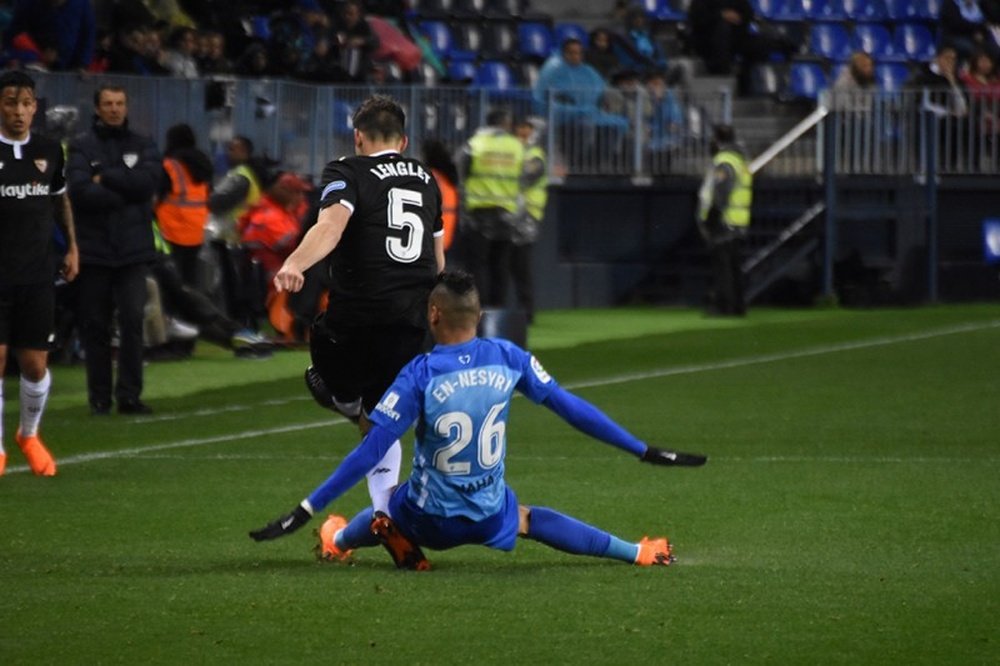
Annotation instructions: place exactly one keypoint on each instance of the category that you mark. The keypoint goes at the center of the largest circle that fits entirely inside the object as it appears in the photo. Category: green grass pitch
(849, 512)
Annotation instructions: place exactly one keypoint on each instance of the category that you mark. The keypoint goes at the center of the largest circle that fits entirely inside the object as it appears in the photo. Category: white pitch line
(607, 381)
(785, 356)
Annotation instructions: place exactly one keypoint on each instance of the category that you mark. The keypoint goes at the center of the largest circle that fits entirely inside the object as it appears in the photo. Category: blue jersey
(459, 397)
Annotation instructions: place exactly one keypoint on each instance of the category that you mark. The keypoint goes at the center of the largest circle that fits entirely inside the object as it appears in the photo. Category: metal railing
(614, 133)
(305, 126)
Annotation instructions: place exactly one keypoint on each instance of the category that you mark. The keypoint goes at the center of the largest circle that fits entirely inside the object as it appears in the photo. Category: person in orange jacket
(271, 228)
(183, 207)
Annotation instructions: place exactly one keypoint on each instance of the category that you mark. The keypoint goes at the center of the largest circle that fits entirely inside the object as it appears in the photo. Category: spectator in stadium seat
(601, 54)
(983, 86)
(638, 49)
(576, 90)
(854, 83)
(724, 29)
(948, 100)
(179, 59)
(356, 40)
(664, 114)
(965, 27)
(622, 98)
(68, 26)
(214, 60)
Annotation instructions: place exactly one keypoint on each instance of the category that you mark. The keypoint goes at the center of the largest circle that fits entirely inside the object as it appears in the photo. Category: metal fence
(619, 133)
(304, 126)
(904, 133)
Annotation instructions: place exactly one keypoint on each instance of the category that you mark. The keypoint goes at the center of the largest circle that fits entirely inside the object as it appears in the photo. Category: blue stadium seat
(499, 39)
(343, 112)
(534, 40)
(865, 10)
(564, 31)
(805, 81)
(790, 10)
(773, 10)
(900, 10)
(830, 40)
(462, 71)
(495, 75)
(825, 10)
(442, 41)
(891, 76)
(913, 41)
(260, 27)
(662, 10)
(927, 10)
(504, 8)
(873, 39)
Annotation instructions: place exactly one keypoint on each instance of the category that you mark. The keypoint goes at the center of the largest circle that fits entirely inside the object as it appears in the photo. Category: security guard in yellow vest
(724, 217)
(534, 194)
(490, 169)
(239, 189)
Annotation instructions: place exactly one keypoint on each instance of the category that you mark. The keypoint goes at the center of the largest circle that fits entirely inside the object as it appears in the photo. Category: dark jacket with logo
(114, 218)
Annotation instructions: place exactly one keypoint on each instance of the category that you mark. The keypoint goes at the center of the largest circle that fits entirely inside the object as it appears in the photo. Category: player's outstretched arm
(355, 465)
(587, 418)
(318, 242)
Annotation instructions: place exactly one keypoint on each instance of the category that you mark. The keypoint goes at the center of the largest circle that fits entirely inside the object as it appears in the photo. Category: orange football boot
(327, 548)
(654, 552)
(39, 458)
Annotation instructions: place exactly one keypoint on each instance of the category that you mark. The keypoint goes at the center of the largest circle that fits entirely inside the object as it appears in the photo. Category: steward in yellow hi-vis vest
(534, 194)
(723, 219)
(491, 167)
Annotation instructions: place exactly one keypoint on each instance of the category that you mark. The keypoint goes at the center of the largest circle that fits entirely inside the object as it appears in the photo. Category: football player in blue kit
(459, 396)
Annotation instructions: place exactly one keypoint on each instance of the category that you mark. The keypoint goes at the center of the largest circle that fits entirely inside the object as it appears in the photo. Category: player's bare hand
(71, 264)
(288, 279)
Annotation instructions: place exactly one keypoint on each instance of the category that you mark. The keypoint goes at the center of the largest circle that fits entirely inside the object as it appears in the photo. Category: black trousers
(726, 258)
(521, 275)
(102, 289)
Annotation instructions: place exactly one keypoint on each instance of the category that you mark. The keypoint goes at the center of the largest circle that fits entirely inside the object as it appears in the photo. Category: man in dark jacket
(113, 175)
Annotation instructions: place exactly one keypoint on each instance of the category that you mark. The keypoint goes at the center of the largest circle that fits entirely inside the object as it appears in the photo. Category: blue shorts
(440, 533)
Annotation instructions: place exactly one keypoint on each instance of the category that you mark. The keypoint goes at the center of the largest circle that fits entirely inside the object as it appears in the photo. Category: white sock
(1, 416)
(34, 395)
(384, 477)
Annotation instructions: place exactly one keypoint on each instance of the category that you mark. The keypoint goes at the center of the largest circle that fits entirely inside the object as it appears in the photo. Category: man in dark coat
(113, 175)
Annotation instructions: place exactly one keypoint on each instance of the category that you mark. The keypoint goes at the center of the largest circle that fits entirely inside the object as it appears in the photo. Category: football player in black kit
(32, 197)
(380, 224)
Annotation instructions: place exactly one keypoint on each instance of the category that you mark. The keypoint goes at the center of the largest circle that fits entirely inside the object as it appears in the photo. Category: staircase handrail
(790, 137)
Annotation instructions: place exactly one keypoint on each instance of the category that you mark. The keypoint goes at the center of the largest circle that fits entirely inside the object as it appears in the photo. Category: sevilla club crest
(42, 165)
(130, 159)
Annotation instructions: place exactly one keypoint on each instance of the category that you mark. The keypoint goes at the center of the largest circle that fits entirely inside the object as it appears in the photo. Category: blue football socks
(358, 533)
(572, 536)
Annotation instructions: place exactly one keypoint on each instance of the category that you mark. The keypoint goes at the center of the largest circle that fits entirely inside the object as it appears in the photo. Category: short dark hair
(107, 87)
(569, 41)
(724, 134)
(15, 78)
(179, 136)
(498, 117)
(381, 118)
(455, 294)
(245, 140)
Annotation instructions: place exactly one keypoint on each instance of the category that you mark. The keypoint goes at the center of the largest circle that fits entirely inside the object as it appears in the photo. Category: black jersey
(32, 172)
(384, 265)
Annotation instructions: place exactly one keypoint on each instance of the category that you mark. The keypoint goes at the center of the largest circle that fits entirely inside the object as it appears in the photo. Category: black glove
(282, 526)
(655, 456)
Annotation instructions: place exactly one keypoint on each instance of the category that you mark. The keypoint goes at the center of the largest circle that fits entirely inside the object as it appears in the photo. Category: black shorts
(362, 362)
(27, 316)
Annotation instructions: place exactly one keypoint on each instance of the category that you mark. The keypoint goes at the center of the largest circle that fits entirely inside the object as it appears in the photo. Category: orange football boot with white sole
(39, 458)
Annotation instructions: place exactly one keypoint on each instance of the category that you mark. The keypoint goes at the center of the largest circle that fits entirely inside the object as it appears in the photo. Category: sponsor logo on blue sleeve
(388, 405)
(333, 187)
(539, 371)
